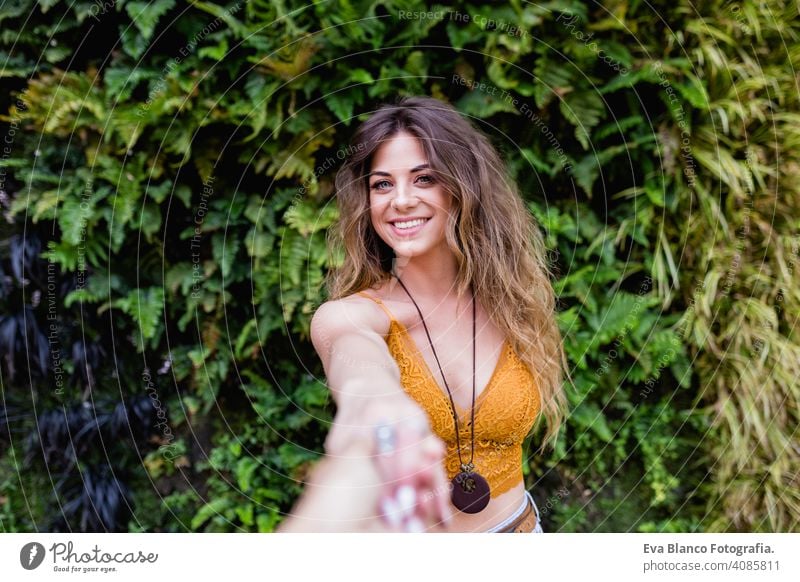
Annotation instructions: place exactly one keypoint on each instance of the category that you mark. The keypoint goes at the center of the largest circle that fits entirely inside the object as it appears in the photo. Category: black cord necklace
(470, 492)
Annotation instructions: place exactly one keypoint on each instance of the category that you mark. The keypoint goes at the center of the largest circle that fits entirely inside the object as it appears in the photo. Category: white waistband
(525, 500)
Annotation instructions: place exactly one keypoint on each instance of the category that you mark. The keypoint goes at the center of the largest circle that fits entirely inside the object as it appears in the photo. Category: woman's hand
(382, 472)
(408, 456)
(394, 433)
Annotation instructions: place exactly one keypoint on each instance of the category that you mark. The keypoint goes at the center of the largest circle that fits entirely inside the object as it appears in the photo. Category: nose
(404, 197)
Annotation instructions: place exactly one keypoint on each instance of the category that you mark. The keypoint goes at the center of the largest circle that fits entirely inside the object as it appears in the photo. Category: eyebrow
(414, 169)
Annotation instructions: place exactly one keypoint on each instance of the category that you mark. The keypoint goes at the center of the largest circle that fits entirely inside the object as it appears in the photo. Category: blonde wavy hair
(495, 239)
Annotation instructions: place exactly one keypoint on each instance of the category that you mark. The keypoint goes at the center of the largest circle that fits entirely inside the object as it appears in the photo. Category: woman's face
(408, 206)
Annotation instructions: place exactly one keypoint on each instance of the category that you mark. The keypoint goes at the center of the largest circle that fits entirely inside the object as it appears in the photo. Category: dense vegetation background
(166, 184)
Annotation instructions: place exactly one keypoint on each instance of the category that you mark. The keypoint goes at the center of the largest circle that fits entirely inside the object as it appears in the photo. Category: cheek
(438, 195)
(375, 212)
(444, 202)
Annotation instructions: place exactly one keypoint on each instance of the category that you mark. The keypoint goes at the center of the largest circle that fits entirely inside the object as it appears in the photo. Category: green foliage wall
(175, 161)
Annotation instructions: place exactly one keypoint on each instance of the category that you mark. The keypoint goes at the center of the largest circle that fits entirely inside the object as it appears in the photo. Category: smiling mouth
(409, 224)
(408, 228)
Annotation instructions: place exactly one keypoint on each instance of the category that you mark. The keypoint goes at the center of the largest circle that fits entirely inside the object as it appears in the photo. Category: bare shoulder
(354, 314)
(349, 335)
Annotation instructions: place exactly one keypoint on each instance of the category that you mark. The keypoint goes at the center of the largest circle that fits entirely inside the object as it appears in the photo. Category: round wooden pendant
(470, 492)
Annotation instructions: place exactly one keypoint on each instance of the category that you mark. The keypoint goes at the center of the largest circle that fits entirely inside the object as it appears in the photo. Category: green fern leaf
(145, 15)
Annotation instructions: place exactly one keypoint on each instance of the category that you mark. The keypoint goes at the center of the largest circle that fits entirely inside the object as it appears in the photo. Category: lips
(409, 219)
(409, 231)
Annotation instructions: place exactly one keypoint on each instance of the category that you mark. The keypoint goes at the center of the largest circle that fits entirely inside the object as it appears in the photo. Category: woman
(439, 341)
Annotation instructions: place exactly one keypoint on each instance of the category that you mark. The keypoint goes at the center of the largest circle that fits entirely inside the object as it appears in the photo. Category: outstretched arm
(355, 487)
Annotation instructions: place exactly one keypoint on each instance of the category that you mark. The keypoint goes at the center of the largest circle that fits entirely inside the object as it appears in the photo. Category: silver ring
(385, 439)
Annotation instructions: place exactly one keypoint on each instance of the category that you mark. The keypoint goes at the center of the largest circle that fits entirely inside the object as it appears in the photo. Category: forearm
(362, 405)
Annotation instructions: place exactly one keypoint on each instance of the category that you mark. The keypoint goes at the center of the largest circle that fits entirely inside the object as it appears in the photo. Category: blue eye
(383, 184)
(377, 185)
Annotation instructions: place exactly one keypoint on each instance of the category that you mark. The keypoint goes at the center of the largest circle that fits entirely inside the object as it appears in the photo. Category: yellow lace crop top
(505, 410)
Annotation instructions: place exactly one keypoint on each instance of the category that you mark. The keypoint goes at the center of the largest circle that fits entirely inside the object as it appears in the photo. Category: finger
(442, 486)
(411, 491)
(428, 508)
(430, 480)
(408, 501)
(444, 507)
(387, 454)
(410, 462)
(433, 446)
(390, 513)
(438, 506)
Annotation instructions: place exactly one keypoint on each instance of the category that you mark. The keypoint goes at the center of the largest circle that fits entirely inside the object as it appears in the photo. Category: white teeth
(410, 223)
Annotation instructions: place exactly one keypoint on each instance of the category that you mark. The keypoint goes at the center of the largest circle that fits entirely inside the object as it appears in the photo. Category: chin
(413, 248)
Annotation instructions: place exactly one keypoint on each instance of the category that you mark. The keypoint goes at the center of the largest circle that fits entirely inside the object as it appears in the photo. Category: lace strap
(379, 302)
